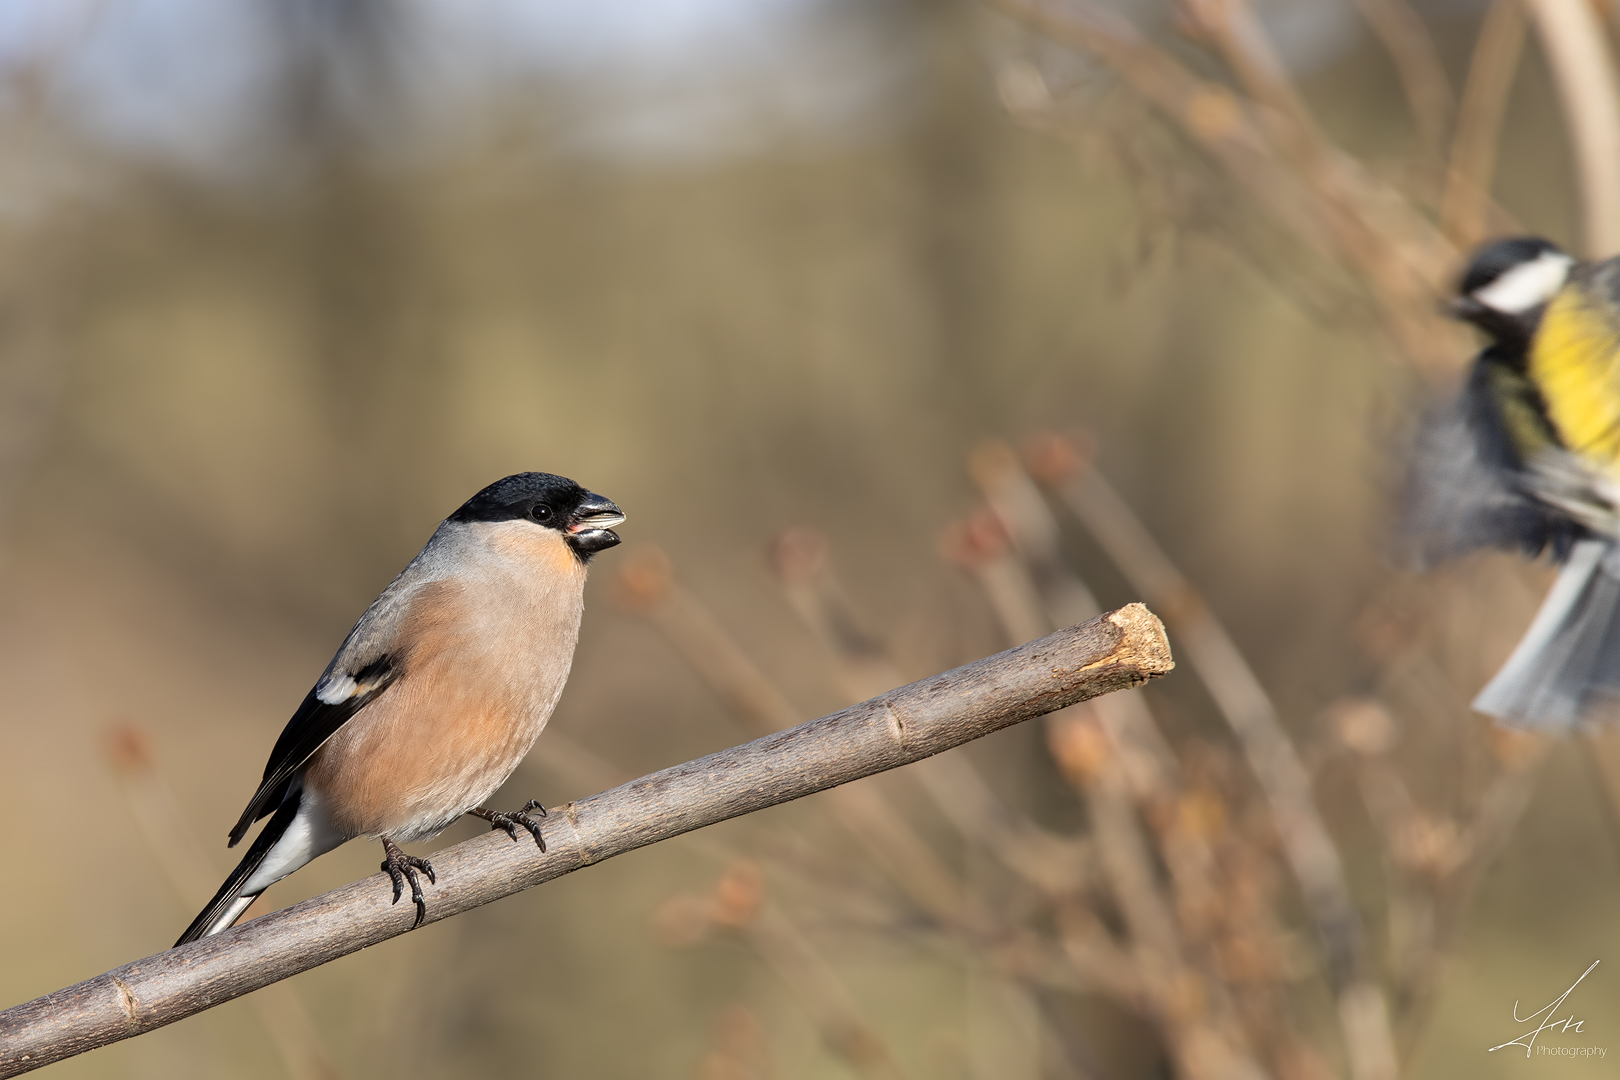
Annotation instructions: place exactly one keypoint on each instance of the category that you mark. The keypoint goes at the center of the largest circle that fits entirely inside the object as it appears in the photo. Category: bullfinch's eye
(542, 513)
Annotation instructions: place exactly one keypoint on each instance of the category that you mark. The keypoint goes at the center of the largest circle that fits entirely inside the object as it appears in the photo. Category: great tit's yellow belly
(1575, 363)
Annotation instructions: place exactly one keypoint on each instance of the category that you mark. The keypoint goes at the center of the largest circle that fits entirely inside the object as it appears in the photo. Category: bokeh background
(282, 282)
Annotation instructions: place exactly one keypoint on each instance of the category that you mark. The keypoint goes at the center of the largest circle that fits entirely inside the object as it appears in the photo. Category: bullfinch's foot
(511, 820)
(402, 868)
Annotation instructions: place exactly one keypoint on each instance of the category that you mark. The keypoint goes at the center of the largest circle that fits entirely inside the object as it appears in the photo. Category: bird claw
(401, 868)
(510, 820)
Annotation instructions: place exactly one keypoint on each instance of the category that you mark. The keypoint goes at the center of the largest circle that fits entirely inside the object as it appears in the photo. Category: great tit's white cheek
(1528, 285)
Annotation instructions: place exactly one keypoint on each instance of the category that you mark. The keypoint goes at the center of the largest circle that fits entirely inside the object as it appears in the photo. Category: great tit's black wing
(329, 705)
(1469, 486)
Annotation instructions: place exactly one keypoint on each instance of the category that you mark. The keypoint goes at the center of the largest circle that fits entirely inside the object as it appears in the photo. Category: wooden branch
(1116, 651)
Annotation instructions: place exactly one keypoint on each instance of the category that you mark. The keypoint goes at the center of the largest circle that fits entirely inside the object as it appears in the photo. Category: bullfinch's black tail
(229, 903)
(1566, 671)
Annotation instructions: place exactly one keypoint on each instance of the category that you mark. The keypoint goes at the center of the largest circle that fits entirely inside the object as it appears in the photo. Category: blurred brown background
(282, 282)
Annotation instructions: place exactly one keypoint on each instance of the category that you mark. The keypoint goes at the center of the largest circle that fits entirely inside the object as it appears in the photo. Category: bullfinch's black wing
(328, 706)
(366, 664)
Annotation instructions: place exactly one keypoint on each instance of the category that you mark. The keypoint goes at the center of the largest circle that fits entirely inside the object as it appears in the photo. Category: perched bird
(434, 697)
(1528, 458)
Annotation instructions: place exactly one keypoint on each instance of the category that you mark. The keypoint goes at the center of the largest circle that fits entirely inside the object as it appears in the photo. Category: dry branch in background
(1262, 135)
(1465, 201)
(739, 902)
(647, 586)
(1417, 62)
(1051, 864)
(1122, 649)
(1247, 708)
(168, 835)
(1147, 969)
(1583, 68)
(1267, 142)
(1176, 940)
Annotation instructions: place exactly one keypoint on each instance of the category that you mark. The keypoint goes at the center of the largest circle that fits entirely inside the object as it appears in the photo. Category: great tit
(1528, 458)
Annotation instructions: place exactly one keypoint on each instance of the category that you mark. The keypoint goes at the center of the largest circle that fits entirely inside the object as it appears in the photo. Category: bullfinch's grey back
(435, 696)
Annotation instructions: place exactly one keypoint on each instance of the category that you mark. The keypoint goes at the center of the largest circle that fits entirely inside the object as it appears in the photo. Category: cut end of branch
(1143, 643)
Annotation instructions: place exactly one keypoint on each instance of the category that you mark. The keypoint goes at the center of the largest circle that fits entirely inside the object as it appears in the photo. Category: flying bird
(1527, 458)
(437, 693)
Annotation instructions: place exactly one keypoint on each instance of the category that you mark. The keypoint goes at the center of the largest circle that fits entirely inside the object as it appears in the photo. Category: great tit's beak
(1464, 309)
(590, 526)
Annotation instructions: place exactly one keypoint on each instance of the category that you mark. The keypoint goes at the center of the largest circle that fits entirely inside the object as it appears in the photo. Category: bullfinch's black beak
(590, 526)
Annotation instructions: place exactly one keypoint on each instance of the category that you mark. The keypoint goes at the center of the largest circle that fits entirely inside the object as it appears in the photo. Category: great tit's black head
(1508, 284)
(547, 501)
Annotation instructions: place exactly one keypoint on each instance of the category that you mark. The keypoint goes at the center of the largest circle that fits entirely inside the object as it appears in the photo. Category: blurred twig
(1437, 857)
(1247, 708)
(1113, 759)
(1603, 747)
(1271, 145)
(1223, 914)
(1466, 197)
(647, 586)
(1054, 865)
(1051, 863)
(162, 824)
(1583, 69)
(738, 1049)
(737, 903)
(1418, 64)
(1057, 597)
(1499, 809)
(801, 968)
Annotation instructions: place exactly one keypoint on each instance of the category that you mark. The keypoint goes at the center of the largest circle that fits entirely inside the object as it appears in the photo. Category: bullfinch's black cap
(555, 502)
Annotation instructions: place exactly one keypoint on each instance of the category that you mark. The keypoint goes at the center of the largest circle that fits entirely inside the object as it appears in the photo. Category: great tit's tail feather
(1565, 672)
(232, 900)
